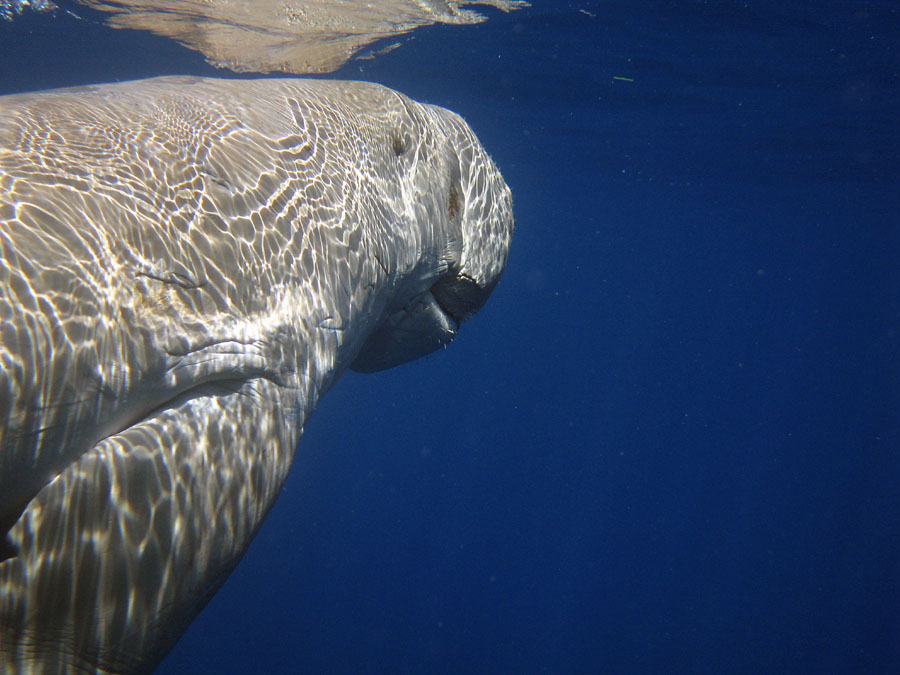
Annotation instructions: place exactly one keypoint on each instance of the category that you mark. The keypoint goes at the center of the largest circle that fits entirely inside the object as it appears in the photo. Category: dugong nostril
(399, 144)
(454, 202)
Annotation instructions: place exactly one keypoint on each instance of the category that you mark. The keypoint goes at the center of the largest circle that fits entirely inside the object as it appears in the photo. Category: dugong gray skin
(186, 266)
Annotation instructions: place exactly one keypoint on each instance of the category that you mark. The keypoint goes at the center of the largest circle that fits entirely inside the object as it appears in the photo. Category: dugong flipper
(186, 265)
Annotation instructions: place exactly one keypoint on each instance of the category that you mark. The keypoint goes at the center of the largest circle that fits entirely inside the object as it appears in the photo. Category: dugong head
(457, 196)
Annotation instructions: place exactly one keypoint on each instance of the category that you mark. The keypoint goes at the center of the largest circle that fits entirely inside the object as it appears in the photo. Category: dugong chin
(186, 266)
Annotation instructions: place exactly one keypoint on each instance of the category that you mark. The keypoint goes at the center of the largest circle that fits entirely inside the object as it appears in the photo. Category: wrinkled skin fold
(186, 266)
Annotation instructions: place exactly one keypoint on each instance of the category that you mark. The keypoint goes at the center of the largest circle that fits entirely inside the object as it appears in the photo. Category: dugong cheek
(417, 329)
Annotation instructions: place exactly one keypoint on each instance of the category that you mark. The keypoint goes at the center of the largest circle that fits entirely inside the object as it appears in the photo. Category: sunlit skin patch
(186, 265)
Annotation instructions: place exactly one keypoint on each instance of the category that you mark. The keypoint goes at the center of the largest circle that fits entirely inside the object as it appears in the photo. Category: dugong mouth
(459, 296)
(427, 323)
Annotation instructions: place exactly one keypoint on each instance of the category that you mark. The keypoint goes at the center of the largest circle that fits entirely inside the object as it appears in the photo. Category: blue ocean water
(670, 442)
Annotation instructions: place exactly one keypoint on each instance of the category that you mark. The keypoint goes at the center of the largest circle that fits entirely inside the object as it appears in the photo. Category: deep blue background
(671, 440)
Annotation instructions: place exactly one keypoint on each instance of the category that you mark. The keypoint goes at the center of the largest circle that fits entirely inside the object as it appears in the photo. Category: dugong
(186, 266)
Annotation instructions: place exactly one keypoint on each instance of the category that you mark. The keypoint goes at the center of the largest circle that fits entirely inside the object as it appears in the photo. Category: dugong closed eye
(186, 266)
